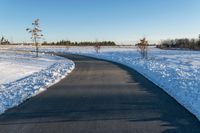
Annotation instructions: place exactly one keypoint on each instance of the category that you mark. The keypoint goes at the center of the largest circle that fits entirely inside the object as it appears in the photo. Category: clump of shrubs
(190, 44)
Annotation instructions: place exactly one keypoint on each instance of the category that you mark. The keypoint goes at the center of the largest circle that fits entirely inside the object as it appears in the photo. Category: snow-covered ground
(176, 72)
(23, 76)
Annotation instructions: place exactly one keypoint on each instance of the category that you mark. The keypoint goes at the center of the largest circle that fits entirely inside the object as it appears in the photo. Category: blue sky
(123, 21)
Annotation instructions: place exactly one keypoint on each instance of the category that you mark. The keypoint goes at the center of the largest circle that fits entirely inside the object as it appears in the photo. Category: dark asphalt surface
(100, 97)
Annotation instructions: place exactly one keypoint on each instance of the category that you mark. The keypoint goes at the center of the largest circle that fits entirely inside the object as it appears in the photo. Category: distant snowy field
(23, 76)
(177, 72)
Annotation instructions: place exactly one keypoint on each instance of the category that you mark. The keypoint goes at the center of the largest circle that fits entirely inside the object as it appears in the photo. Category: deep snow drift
(23, 76)
(175, 71)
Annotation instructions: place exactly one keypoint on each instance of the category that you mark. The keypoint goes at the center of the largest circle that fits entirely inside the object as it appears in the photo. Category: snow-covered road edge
(19, 91)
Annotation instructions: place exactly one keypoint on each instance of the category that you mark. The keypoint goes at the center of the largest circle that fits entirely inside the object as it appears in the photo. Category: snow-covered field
(176, 72)
(23, 76)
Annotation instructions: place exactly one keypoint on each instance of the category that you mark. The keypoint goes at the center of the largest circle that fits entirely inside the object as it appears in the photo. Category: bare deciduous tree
(35, 32)
(182, 43)
(143, 48)
(97, 46)
(67, 47)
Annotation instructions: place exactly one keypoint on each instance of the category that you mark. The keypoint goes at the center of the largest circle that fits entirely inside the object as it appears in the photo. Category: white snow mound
(14, 93)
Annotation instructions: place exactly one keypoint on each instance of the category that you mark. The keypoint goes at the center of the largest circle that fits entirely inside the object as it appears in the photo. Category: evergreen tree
(35, 32)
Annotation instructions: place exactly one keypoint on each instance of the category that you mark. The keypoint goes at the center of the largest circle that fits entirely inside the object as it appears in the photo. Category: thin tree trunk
(36, 46)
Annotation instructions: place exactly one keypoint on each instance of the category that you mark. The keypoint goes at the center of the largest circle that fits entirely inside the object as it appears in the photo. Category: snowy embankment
(176, 72)
(23, 76)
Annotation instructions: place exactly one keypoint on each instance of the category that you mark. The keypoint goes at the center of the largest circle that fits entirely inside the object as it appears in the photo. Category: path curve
(100, 97)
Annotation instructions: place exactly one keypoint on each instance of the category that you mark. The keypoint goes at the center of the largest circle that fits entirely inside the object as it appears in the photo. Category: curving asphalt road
(100, 97)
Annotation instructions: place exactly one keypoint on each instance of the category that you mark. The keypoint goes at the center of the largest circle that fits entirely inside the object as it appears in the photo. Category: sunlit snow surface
(23, 76)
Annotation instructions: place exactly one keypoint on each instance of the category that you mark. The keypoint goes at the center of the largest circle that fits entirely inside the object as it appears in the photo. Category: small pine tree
(4, 41)
(35, 32)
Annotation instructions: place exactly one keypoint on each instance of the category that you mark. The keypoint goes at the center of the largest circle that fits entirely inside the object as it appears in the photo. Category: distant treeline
(69, 43)
(192, 44)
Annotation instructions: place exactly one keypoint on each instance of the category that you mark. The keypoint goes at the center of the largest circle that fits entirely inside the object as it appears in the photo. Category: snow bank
(45, 71)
